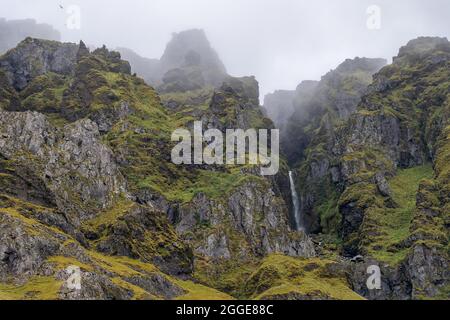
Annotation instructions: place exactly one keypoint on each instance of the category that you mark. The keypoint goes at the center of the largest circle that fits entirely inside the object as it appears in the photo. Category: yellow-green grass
(282, 276)
(37, 288)
(393, 224)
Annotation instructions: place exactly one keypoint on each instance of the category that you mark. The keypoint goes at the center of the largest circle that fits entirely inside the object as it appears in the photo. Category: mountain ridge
(86, 180)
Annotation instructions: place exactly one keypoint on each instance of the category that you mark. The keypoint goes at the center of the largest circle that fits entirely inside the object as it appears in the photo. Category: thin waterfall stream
(296, 204)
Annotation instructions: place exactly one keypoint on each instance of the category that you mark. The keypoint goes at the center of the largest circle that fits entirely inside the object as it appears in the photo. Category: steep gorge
(370, 168)
(86, 178)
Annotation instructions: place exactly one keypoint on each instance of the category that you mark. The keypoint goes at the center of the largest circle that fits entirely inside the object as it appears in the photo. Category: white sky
(281, 42)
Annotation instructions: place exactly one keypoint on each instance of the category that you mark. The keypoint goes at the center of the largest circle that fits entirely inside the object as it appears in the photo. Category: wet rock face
(81, 178)
(394, 282)
(34, 57)
(20, 252)
(27, 248)
(422, 274)
(428, 271)
(253, 221)
(72, 164)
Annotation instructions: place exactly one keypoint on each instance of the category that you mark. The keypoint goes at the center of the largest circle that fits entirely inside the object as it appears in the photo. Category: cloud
(281, 42)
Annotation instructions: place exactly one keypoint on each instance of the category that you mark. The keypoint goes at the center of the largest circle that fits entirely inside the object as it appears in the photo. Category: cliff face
(308, 138)
(404, 120)
(386, 182)
(319, 105)
(86, 178)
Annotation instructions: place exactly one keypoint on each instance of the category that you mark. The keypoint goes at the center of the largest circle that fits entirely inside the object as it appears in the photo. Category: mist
(280, 42)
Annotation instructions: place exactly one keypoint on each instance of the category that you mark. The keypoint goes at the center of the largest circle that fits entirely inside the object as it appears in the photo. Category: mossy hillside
(277, 276)
(385, 228)
(318, 115)
(9, 99)
(27, 213)
(227, 275)
(314, 130)
(45, 93)
(324, 195)
(140, 233)
(236, 105)
(98, 88)
(49, 287)
(416, 96)
(139, 135)
(428, 224)
(412, 93)
(146, 151)
(119, 268)
(147, 166)
(214, 184)
(184, 100)
(443, 169)
(123, 267)
(286, 277)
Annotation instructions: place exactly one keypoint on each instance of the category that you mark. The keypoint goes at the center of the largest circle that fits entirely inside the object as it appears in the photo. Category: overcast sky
(281, 42)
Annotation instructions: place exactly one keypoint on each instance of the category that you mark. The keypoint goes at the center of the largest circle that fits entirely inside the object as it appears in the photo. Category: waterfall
(295, 203)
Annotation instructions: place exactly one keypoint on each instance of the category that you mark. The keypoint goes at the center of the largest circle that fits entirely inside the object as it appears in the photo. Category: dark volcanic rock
(33, 58)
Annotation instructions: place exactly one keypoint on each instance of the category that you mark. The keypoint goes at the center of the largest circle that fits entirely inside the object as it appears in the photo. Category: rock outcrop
(87, 181)
(384, 174)
(85, 157)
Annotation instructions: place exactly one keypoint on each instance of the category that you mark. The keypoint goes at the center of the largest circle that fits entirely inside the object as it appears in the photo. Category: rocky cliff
(86, 180)
(381, 167)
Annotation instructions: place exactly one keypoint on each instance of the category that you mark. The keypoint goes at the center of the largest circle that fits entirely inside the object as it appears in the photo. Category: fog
(281, 42)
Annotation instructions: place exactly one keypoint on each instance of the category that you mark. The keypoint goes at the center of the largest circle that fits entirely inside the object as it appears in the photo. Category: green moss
(137, 292)
(197, 291)
(391, 226)
(214, 184)
(62, 263)
(37, 288)
(281, 276)
(329, 213)
(110, 216)
(45, 93)
(364, 194)
(227, 275)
